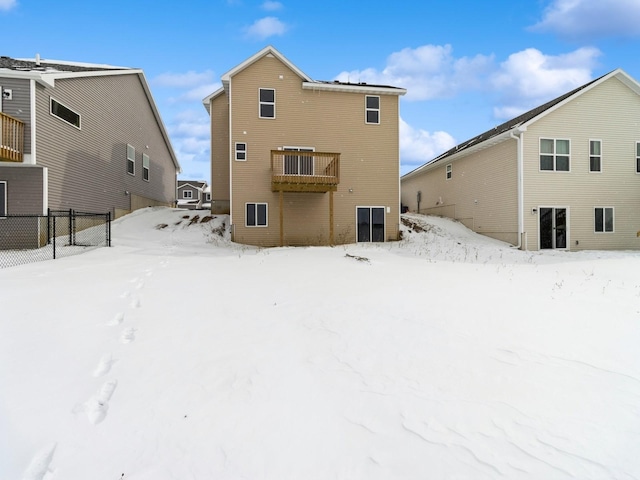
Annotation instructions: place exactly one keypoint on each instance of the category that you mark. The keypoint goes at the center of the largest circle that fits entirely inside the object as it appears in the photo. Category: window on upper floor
(372, 109)
(64, 113)
(256, 215)
(241, 151)
(267, 103)
(637, 157)
(555, 154)
(595, 155)
(207, 197)
(603, 220)
(449, 171)
(187, 194)
(145, 167)
(131, 160)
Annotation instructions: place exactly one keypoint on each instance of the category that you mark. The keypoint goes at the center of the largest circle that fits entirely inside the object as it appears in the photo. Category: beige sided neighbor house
(565, 175)
(296, 161)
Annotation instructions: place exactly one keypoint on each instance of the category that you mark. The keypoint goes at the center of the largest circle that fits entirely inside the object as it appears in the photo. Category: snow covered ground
(177, 354)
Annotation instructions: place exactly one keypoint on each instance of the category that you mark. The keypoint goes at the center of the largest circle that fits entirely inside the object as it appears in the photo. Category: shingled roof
(24, 65)
(508, 125)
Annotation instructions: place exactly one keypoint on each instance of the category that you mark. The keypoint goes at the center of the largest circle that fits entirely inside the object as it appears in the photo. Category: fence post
(71, 239)
(48, 226)
(54, 237)
(109, 229)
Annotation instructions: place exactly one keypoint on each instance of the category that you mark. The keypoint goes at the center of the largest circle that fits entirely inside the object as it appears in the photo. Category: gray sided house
(193, 195)
(565, 175)
(81, 136)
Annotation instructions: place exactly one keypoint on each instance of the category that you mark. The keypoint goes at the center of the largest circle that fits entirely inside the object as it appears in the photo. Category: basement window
(256, 215)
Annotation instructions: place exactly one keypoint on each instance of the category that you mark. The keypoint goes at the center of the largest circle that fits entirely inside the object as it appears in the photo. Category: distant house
(192, 194)
(297, 161)
(565, 175)
(81, 136)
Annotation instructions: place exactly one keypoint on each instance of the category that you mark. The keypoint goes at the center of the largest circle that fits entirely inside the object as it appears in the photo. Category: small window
(187, 194)
(637, 157)
(207, 197)
(554, 154)
(604, 219)
(267, 103)
(449, 171)
(372, 109)
(65, 113)
(595, 156)
(145, 167)
(3, 199)
(256, 215)
(241, 151)
(131, 160)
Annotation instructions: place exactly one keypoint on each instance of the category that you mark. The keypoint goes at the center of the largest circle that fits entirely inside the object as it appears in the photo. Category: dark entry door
(553, 227)
(370, 224)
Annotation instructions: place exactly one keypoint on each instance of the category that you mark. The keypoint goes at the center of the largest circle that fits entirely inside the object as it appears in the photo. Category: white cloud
(582, 19)
(266, 27)
(429, 71)
(530, 78)
(272, 6)
(419, 146)
(8, 4)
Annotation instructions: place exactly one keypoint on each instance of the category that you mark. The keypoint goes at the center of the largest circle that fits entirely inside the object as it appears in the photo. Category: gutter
(518, 137)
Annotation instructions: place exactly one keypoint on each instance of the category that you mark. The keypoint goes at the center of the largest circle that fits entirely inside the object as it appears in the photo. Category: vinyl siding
(610, 112)
(328, 122)
(19, 106)
(25, 188)
(87, 166)
(482, 191)
(220, 193)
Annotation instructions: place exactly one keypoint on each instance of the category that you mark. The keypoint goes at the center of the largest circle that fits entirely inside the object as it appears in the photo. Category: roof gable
(523, 121)
(266, 51)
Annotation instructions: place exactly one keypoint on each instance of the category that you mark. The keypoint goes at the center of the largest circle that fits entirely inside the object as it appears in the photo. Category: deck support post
(281, 218)
(331, 242)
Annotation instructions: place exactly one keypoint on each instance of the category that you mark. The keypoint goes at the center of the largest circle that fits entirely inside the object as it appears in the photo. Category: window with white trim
(187, 194)
(3, 199)
(145, 167)
(637, 157)
(64, 113)
(131, 160)
(241, 151)
(256, 215)
(449, 171)
(603, 220)
(595, 155)
(298, 164)
(372, 109)
(555, 154)
(267, 103)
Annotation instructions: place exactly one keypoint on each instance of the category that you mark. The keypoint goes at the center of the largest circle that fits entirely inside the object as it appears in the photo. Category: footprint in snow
(117, 319)
(39, 465)
(104, 365)
(128, 335)
(135, 302)
(97, 406)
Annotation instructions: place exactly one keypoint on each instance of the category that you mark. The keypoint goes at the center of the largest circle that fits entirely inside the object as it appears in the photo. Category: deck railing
(11, 139)
(294, 170)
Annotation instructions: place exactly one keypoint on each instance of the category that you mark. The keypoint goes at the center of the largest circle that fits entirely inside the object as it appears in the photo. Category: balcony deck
(296, 171)
(11, 139)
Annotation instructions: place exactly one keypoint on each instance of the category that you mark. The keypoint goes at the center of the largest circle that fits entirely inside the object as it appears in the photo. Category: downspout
(520, 180)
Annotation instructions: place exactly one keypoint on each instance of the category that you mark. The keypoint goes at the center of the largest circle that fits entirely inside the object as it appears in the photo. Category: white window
(372, 109)
(449, 171)
(555, 154)
(604, 219)
(207, 197)
(187, 194)
(241, 151)
(64, 113)
(637, 157)
(595, 155)
(298, 164)
(257, 215)
(267, 103)
(131, 160)
(3, 199)
(145, 167)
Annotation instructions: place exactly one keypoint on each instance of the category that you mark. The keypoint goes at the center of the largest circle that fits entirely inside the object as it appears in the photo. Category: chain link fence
(60, 233)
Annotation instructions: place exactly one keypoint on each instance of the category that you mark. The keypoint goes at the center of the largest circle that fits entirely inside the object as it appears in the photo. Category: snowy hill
(177, 354)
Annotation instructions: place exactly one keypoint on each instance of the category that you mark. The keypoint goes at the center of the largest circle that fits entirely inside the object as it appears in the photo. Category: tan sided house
(565, 175)
(302, 162)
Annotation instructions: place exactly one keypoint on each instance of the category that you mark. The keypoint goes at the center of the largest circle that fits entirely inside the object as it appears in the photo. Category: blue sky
(467, 65)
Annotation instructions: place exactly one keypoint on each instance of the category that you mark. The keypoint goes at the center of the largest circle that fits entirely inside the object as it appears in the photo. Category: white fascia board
(355, 88)
(206, 101)
(265, 51)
